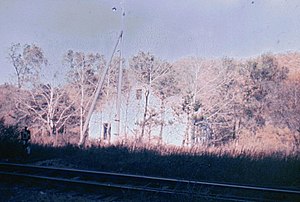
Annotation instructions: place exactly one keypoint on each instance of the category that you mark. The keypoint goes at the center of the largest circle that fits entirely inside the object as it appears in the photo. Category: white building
(103, 124)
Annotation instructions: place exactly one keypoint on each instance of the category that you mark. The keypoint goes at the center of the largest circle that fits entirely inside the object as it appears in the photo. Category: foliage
(217, 101)
(262, 79)
(207, 100)
(286, 110)
(27, 61)
(41, 105)
(49, 108)
(155, 77)
(9, 145)
(83, 75)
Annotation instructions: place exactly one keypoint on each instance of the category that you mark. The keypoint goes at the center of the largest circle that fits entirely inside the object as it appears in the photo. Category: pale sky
(170, 29)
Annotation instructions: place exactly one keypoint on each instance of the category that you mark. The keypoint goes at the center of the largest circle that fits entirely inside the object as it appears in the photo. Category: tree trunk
(162, 120)
(185, 141)
(192, 132)
(56, 139)
(147, 93)
(126, 117)
(82, 139)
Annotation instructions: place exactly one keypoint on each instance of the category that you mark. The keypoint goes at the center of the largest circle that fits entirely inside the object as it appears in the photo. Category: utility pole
(118, 104)
(101, 81)
(99, 87)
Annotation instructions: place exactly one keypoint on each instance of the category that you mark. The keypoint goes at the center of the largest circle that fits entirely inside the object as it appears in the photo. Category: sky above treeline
(170, 29)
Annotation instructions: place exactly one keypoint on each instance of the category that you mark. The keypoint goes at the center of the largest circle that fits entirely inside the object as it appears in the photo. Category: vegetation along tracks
(109, 180)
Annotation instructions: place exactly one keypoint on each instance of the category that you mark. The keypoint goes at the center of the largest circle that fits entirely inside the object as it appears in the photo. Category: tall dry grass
(237, 162)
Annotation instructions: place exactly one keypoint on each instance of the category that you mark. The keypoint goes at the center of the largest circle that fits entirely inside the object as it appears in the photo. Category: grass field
(274, 170)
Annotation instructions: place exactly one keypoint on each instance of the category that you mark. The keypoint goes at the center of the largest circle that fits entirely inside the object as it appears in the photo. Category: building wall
(132, 110)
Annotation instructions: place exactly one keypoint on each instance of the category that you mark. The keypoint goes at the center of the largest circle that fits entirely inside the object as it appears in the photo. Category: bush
(9, 142)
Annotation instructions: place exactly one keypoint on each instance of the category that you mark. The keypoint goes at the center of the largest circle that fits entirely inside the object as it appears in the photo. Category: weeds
(267, 171)
(276, 170)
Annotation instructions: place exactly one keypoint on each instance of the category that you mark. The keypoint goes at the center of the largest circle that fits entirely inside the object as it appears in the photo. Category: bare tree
(204, 100)
(43, 106)
(47, 107)
(83, 76)
(165, 87)
(148, 72)
(285, 109)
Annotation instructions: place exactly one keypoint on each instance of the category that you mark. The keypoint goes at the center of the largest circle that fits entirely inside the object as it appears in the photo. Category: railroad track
(109, 180)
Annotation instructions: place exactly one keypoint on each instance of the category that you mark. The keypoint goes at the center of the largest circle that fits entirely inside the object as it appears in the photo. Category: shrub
(9, 142)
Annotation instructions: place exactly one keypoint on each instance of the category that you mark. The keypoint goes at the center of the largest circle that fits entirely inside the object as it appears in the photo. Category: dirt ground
(18, 193)
(26, 193)
(11, 192)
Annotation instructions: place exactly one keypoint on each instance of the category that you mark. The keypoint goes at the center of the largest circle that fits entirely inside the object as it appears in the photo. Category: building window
(138, 94)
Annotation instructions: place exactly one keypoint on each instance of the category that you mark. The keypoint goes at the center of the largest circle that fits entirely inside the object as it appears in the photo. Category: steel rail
(128, 187)
(137, 178)
(142, 177)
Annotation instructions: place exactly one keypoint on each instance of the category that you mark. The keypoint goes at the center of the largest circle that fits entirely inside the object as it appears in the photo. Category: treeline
(217, 101)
